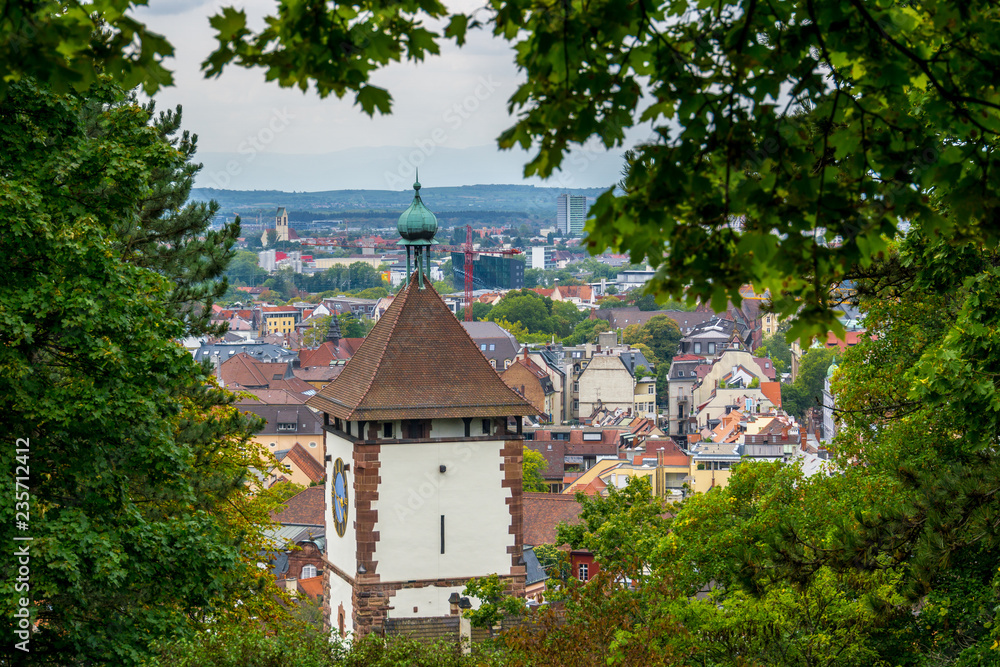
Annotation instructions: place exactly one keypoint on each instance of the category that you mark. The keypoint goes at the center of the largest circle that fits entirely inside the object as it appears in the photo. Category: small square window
(483, 347)
(493, 347)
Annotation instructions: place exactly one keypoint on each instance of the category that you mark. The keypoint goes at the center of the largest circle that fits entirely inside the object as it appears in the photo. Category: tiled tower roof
(418, 363)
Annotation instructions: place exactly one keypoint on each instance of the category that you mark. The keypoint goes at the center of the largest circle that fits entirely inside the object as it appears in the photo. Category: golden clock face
(340, 502)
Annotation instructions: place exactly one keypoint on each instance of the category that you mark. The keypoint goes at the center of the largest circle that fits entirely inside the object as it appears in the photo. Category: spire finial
(416, 182)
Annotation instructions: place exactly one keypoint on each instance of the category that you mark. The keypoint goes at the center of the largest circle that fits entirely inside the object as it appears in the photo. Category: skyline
(447, 112)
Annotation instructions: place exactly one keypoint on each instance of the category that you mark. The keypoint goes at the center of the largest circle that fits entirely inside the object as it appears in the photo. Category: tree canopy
(141, 522)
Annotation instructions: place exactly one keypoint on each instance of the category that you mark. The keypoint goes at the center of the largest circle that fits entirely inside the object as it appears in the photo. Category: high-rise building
(571, 214)
(489, 271)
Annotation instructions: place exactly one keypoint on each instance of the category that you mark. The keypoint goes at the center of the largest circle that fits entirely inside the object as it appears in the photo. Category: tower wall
(469, 495)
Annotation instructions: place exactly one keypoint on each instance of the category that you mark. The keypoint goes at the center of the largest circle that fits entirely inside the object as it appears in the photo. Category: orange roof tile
(418, 362)
(304, 461)
(313, 586)
(772, 390)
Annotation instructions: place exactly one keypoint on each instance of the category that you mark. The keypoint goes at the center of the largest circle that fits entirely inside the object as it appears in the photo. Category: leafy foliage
(70, 45)
(661, 334)
(807, 389)
(494, 602)
(141, 518)
(533, 465)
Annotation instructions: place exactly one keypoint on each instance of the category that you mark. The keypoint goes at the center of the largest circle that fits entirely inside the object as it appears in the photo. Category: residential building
(770, 323)
(709, 338)
(217, 353)
(571, 451)
(619, 318)
(712, 464)
(297, 466)
(290, 425)
(682, 379)
(359, 308)
(581, 296)
(542, 257)
(302, 535)
(533, 383)
(829, 405)
(630, 279)
(278, 319)
(498, 346)
(605, 383)
(571, 214)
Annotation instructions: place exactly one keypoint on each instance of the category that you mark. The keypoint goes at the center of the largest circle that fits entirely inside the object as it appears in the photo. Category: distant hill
(521, 200)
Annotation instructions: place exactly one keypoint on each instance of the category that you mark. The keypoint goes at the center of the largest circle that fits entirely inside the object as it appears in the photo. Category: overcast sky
(255, 135)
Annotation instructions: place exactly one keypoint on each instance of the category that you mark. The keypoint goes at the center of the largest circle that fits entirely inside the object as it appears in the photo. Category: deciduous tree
(138, 463)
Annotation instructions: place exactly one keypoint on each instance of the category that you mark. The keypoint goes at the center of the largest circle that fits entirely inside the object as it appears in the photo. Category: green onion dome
(417, 223)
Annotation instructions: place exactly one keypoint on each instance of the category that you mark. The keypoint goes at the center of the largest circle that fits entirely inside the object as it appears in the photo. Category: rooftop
(390, 376)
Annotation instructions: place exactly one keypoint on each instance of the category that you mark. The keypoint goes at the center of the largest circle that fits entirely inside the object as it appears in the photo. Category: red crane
(470, 254)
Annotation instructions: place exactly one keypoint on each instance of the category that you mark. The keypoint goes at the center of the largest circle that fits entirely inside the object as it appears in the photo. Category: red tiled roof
(597, 485)
(773, 392)
(418, 363)
(769, 372)
(850, 339)
(313, 586)
(688, 357)
(273, 397)
(579, 291)
(318, 373)
(324, 354)
(305, 508)
(304, 461)
(544, 291)
(543, 512)
(241, 369)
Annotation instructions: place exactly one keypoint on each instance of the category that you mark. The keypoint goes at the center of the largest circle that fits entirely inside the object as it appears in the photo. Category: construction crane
(470, 255)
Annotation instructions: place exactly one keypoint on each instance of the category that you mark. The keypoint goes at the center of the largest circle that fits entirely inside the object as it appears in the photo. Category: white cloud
(454, 101)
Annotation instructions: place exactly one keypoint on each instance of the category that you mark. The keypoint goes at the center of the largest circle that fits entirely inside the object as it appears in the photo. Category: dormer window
(286, 426)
